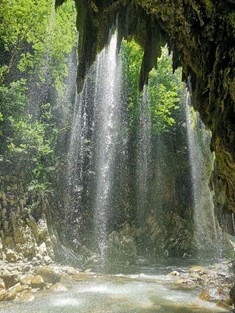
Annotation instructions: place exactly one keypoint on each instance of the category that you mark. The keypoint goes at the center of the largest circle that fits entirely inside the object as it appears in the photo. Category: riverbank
(27, 281)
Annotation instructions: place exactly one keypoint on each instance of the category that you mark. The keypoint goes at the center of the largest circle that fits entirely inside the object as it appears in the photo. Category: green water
(135, 293)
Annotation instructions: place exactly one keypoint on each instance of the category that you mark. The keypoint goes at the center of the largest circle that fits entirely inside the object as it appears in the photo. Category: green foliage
(165, 91)
(35, 44)
(13, 101)
(164, 87)
(35, 36)
(132, 58)
(30, 148)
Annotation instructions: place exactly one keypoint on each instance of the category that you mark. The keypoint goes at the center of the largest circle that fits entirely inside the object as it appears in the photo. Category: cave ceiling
(201, 35)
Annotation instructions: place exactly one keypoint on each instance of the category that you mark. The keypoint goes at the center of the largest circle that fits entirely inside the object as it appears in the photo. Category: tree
(36, 43)
(165, 87)
(32, 34)
(165, 92)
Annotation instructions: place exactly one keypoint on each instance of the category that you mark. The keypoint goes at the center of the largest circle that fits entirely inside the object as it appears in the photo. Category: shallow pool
(135, 293)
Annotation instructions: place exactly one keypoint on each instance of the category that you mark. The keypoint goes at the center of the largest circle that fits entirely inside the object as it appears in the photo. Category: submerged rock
(197, 269)
(58, 287)
(174, 273)
(184, 284)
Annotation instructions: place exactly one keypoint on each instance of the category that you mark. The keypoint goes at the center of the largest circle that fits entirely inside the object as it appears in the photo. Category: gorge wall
(201, 35)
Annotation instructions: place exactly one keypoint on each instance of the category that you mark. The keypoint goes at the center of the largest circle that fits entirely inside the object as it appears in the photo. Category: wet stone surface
(191, 289)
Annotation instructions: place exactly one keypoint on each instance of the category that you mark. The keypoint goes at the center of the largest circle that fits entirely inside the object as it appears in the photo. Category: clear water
(205, 234)
(107, 125)
(143, 154)
(149, 291)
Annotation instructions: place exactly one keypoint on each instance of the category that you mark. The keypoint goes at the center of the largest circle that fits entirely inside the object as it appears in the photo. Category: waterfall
(77, 155)
(205, 227)
(110, 186)
(143, 155)
(108, 126)
(97, 142)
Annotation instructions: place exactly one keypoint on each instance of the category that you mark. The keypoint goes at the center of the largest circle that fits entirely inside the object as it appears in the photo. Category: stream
(147, 289)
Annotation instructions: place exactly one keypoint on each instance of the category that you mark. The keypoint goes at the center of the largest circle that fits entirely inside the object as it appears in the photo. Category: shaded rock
(49, 274)
(58, 287)
(174, 273)
(9, 280)
(82, 276)
(224, 305)
(2, 284)
(184, 284)
(121, 246)
(232, 295)
(11, 255)
(26, 268)
(13, 288)
(27, 296)
(47, 260)
(197, 269)
(9, 296)
(142, 261)
(212, 294)
(26, 279)
(2, 294)
(37, 282)
(42, 249)
(21, 288)
(205, 295)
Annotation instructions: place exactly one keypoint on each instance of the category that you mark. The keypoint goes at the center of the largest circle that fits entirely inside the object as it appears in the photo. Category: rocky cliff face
(201, 35)
(24, 233)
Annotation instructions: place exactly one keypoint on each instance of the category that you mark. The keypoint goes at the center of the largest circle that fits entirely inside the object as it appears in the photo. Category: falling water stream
(205, 234)
(95, 144)
(97, 158)
(143, 154)
(107, 104)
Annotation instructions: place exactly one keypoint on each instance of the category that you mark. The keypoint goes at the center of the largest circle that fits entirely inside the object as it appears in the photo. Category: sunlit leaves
(35, 36)
(165, 92)
(28, 147)
(164, 87)
(35, 43)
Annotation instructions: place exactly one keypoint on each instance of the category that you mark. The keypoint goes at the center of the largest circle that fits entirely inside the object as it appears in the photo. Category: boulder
(2, 294)
(26, 279)
(174, 273)
(184, 284)
(37, 282)
(2, 284)
(21, 288)
(9, 279)
(197, 269)
(27, 296)
(11, 256)
(47, 260)
(11, 295)
(58, 287)
(49, 274)
(42, 249)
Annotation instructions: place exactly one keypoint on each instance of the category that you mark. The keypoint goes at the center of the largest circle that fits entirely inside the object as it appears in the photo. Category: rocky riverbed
(26, 281)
